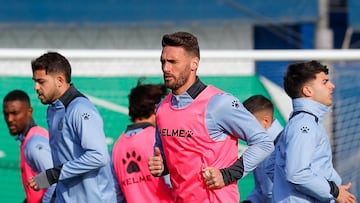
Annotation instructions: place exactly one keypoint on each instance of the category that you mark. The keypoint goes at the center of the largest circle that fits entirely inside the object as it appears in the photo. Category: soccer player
(303, 164)
(263, 110)
(136, 144)
(35, 155)
(198, 127)
(82, 168)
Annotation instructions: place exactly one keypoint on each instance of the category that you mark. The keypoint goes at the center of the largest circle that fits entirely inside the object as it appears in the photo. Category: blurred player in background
(82, 168)
(263, 110)
(304, 170)
(133, 148)
(199, 126)
(35, 155)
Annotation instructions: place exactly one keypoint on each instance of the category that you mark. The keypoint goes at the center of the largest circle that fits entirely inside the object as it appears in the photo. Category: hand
(32, 184)
(155, 163)
(213, 178)
(344, 195)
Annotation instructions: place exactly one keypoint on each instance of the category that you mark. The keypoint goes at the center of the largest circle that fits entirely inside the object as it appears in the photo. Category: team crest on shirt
(39, 146)
(85, 116)
(235, 104)
(304, 129)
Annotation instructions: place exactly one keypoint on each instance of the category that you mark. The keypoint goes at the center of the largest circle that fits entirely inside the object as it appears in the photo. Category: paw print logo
(304, 129)
(235, 104)
(189, 133)
(133, 165)
(85, 116)
(39, 146)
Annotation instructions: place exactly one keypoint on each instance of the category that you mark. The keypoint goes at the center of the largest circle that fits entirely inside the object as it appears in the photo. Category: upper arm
(301, 141)
(226, 113)
(88, 126)
(38, 154)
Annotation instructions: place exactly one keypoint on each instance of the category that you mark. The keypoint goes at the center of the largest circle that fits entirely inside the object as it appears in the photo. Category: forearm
(316, 187)
(233, 172)
(48, 177)
(89, 161)
(255, 154)
(237, 170)
(334, 189)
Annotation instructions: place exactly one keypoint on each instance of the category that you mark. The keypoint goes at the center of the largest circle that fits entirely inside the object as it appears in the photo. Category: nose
(9, 118)
(165, 67)
(332, 86)
(36, 86)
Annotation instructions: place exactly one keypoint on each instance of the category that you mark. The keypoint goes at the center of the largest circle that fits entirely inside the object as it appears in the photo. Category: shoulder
(303, 118)
(36, 142)
(224, 106)
(81, 109)
(39, 131)
(302, 124)
(78, 102)
(81, 105)
(225, 99)
(37, 138)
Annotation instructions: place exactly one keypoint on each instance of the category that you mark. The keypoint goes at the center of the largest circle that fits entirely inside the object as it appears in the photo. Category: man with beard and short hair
(82, 168)
(198, 127)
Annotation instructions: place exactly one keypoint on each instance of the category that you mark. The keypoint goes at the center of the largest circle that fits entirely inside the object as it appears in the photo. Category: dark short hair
(52, 62)
(143, 98)
(182, 39)
(17, 95)
(257, 103)
(300, 73)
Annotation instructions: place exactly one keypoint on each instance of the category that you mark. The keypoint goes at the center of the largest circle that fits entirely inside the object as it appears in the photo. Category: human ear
(267, 121)
(194, 64)
(307, 91)
(59, 80)
(30, 110)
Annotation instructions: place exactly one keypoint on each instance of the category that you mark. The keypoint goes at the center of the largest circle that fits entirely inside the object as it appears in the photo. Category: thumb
(157, 151)
(348, 186)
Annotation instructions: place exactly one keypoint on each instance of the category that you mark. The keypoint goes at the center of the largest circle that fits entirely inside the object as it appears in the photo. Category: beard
(43, 100)
(177, 82)
(46, 98)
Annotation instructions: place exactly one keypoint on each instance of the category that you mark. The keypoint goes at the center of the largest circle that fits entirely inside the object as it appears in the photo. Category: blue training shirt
(262, 192)
(303, 161)
(77, 141)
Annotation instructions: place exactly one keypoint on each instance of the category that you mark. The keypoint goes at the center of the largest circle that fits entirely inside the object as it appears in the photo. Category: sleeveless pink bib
(130, 156)
(188, 148)
(26, 171)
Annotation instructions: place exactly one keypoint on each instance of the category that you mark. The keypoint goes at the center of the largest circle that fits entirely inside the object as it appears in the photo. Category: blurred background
(245, 49)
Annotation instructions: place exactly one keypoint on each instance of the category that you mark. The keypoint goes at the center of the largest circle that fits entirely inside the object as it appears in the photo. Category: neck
(185, 87)
(151, 120)
(64, 88)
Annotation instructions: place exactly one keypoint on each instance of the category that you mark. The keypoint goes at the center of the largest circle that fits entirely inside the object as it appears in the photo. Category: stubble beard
(46, 99)
(178, 81)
